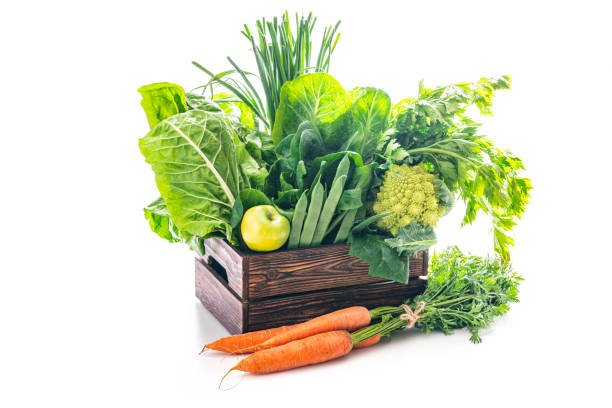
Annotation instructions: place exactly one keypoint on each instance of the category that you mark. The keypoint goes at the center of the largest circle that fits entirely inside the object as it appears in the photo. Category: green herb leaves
(463, 291)
(466, 291)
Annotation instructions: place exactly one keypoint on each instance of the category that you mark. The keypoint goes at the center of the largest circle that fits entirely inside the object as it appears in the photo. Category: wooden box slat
(218, 298)
(261, 275)
(230, 259)
(239, 315)
(288, 310)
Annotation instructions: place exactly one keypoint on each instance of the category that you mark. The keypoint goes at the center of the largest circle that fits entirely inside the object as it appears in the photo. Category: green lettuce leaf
(194, 160)
(317, 98)
(370, 116)
(162, 100)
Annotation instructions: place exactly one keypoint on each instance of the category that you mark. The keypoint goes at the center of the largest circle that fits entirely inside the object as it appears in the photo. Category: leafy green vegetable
(162, 100)
(370, 114)
(412, 238)
(247, 198)
(385, 262)
(350, 199)
(434, 129)
(161, 223)
(462, 291)
(200, 102)
(281, 56)
(194, 160)
(233, 106)
(317, 98)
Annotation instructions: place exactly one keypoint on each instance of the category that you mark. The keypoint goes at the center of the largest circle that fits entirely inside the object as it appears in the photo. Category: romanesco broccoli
(410, 192)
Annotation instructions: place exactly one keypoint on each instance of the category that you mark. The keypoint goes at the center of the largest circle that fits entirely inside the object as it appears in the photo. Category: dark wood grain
(249, 291)
(283, 272)
(293, 309)
(219, 299)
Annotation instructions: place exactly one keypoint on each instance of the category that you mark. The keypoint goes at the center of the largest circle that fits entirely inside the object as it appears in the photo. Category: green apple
(264, 229)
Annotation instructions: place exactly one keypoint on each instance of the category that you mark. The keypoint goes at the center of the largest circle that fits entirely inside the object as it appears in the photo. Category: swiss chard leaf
(194, 160)
(160, 222)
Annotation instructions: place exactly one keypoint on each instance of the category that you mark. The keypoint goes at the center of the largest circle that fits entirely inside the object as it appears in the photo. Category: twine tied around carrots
(411, 316)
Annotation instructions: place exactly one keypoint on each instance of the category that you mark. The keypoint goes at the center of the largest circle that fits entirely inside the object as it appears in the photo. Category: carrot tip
(223, 378)
(203, 350)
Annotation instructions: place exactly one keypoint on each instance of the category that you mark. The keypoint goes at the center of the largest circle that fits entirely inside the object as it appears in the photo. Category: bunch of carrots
(317, 340)
(462, 291)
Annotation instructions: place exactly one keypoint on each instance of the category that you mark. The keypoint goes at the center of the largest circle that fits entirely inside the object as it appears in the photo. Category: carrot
(233, 344)
(351, 318)
(368, 342)
(311, 350)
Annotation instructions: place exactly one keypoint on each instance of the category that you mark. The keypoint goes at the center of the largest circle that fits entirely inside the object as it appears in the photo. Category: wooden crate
(249, 291)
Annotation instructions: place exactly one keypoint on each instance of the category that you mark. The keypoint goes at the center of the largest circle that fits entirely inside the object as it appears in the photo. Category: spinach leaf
(193, 156)
(385, 262)
(162, 100)
(350, 199)
(317, 98)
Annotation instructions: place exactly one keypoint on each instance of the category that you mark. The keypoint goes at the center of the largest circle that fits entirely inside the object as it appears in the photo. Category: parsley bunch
(463, 291)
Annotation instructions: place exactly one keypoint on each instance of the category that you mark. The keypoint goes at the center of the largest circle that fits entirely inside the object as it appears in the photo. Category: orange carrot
(233, 344)
(311, 350)
(351, 318)
(368, 342)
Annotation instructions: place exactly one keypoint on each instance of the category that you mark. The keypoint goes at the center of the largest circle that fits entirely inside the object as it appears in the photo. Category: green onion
(281, 55)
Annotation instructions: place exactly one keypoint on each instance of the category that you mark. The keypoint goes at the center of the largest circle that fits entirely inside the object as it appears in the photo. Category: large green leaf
(317, 98)
(385, 262)
(194, 160)
(370, 115)
(160, 222)
(162, 100)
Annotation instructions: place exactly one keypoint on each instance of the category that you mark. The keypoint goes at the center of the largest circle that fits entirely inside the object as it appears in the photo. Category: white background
(97, 311)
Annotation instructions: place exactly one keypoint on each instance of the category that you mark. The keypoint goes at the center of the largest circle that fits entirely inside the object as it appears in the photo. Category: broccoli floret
(410, 192)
